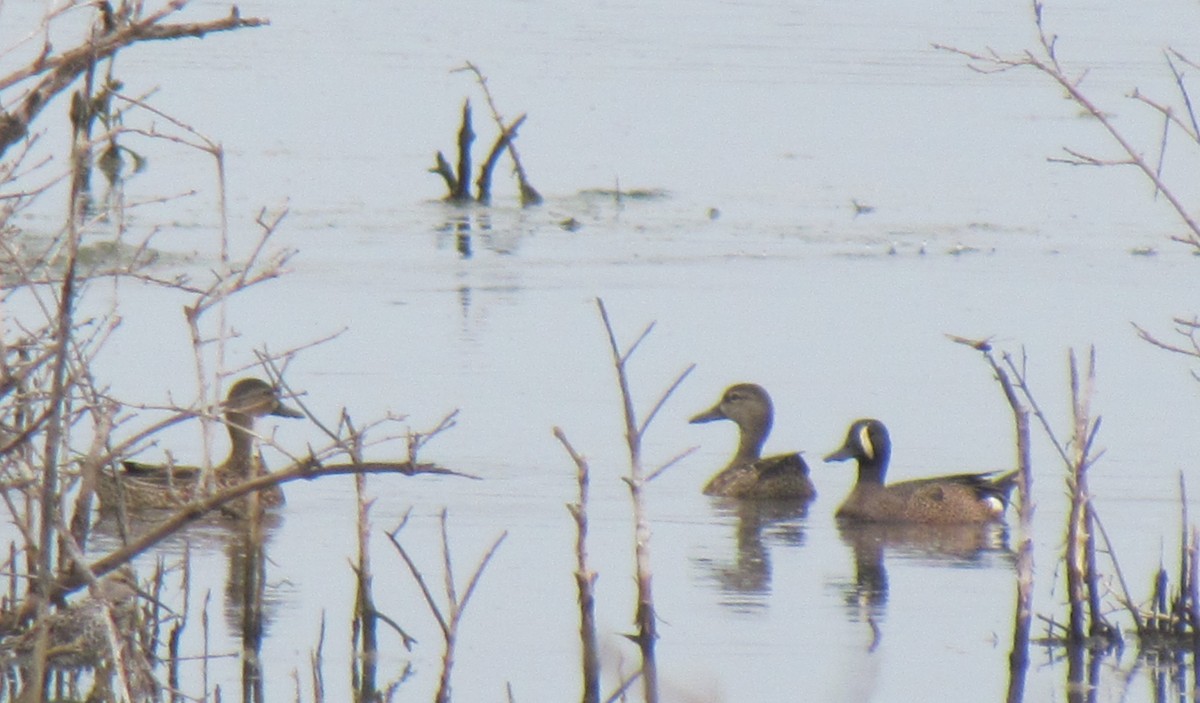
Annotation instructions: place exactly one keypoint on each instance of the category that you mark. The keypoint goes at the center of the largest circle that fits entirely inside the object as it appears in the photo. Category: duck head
(252, 397)
(749, 406)
(867, 441)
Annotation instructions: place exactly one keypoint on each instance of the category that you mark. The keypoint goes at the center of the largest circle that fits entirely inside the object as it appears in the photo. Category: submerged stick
(1194, 599)
(1185, 608)
(529, 194)
(466, 135)
(1083, 588)
(1018, 657)
(365, 625)
(443, 168)
(483, 184)
(318, 664)
(585, 579)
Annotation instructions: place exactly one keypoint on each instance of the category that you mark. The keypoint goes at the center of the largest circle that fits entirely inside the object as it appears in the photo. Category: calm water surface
(777, 114)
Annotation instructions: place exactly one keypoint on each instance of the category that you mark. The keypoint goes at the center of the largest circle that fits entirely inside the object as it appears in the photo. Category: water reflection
(745, 580)
(1083, 674)
(246, 608)
(949, 545)
(1174, 675)
(466, 226)
(1170, 674)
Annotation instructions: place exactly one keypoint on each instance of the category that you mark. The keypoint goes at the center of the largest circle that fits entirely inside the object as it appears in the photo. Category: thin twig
(1125, 598)
(585, 578)
(1022, 621)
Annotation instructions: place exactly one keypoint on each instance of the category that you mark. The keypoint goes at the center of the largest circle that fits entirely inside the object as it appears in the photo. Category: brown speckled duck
(77, 634)
(142, 486)
(749, 475)
(954, 499)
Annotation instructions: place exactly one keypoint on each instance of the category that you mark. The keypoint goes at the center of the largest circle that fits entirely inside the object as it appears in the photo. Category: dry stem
(585, 578)
(448, 620)
(1018, 656)
(637, 479)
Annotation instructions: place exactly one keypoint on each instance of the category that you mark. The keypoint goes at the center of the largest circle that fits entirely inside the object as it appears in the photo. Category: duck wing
(775, 477)
(781, 465)
(953, 494)
(991, 484)
(782, 476)
(159, 472)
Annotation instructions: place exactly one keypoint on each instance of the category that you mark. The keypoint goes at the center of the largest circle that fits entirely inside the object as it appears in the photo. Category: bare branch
(663, 398)
(430, 601)
(61, 70)
(670, 462)
(1046, 62)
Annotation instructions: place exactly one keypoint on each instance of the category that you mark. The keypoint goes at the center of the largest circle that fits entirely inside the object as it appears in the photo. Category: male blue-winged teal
(749, 475)
(146, 486)
(958, 498)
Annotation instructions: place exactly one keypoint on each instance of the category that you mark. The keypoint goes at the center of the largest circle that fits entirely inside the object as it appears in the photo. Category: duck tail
(1002, 485)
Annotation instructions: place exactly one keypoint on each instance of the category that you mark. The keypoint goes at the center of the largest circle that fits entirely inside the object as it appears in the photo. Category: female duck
(748, 475)
(955, 499)
(146, 486)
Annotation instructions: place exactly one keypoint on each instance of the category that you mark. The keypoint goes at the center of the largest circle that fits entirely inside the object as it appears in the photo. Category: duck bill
(713, 413)
(841, 455)
(282, 410)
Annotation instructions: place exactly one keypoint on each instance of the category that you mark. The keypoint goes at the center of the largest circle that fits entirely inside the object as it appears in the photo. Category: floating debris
(632, 194)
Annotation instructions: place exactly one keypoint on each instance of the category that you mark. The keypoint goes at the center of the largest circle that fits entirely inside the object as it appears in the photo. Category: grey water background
(777, 114)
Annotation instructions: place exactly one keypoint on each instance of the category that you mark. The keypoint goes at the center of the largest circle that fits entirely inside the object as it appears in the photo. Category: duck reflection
(948, 545)
(247, 610)
(745, 580)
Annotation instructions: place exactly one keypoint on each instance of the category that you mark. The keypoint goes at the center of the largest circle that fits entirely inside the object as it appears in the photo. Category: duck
(141, 486)
(748, 474)
(104, 632)
(77, 634)
(969, 498)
